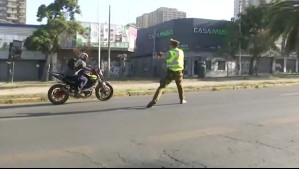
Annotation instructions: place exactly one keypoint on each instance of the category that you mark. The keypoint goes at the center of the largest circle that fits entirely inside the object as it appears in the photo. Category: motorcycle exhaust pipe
(65, 90)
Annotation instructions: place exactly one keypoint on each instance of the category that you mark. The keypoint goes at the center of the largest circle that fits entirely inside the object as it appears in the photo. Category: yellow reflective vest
(175, 59)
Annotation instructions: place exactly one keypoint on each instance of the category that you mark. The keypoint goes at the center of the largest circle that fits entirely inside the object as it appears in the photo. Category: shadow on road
(47, 114)
(43, 104)
(25, 106)
(49, 104)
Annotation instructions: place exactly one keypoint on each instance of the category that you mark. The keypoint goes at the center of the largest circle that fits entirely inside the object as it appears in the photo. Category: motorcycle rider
(76, 70)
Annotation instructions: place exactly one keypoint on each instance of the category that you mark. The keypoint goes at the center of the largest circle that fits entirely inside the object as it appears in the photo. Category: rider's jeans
(82, 81)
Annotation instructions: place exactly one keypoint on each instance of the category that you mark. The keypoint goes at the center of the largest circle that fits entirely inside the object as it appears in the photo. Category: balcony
(22, 3)
(22, 11)
(12, 5)
(12, 18)
(23, 21)
(22, 16)
(22, 6)
(11, 12)
(12, 0)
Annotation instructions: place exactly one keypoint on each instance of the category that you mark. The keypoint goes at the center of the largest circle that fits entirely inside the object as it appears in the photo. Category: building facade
(31, 64)
(159, 16)
(121, 37)
(29, 67)
(13, 11)
(202, 40)
(122, 43)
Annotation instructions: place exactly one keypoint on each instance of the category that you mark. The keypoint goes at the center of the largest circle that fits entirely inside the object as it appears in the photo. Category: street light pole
(154, 51)
(109, 37)
(240, 32)
(240, 55)
(99, 38)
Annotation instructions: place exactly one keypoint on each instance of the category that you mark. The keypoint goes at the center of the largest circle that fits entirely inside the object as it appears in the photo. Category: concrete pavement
(245, 128)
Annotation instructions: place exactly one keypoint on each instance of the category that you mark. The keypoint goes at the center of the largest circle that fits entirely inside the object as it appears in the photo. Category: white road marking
(290, 94)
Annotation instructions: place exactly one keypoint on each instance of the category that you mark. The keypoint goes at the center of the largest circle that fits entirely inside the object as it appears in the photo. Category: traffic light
(16, 49)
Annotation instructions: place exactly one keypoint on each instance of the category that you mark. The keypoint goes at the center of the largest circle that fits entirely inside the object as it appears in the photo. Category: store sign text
(162, 34)
(211, 31)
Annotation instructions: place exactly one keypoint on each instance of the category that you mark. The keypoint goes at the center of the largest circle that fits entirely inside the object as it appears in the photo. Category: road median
(14, 96)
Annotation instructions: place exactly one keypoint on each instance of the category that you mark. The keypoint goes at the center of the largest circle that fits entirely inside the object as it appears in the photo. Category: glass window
(209, 65)
(221, 65)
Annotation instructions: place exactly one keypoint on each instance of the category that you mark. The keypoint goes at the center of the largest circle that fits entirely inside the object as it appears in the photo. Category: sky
(126, 11)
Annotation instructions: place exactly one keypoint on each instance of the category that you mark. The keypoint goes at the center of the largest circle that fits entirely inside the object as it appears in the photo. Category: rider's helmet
(83, 56)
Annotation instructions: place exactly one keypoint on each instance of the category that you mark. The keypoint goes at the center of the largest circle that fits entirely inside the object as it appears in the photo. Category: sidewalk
(42, 88)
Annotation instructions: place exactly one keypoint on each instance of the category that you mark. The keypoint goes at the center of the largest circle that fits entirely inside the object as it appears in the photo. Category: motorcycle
(60, 93)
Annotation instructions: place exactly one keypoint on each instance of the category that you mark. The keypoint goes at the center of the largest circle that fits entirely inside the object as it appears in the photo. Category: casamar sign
(211, 31)
(165, 33)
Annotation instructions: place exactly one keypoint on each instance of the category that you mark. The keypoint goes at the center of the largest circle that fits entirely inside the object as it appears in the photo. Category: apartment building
(13, 11)
(158, 16)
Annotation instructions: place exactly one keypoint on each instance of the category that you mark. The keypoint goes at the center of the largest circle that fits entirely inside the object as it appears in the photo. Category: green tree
(255, 35)
(284, 17)
(61, 22)
(231, 42)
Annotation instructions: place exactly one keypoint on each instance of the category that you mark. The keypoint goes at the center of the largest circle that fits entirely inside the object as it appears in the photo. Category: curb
(146, 92)
(24, 86)
(22, 100)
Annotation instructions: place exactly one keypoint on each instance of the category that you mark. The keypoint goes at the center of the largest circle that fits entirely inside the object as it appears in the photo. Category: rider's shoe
(78, 93)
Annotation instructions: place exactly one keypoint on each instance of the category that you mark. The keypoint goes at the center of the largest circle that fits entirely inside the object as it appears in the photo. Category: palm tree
(284, 23)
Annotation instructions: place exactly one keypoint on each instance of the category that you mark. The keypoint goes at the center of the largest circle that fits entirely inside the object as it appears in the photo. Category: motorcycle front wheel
(105, 92)
(57, 94)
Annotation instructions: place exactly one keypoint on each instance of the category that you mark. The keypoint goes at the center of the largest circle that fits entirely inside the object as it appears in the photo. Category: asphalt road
(245, 128)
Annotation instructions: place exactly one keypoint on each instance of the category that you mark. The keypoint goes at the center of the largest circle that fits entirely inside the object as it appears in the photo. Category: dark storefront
(200, 39)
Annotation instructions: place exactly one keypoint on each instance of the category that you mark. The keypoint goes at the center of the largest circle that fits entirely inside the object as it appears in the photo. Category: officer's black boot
(151, 104)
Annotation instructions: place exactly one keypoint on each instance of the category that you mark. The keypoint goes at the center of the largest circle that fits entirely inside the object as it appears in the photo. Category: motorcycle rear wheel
(57, 95)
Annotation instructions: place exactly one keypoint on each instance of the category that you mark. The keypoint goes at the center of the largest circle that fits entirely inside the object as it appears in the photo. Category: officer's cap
(174, 42)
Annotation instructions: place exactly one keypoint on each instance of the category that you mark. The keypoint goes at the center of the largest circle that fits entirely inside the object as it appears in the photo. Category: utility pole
(109, 45)
(10, 65)
(15, 52)
(154, 51)
(240, 32)
(99, 38)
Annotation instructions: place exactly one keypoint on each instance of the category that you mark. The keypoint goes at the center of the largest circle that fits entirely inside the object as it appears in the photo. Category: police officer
(175, 66)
